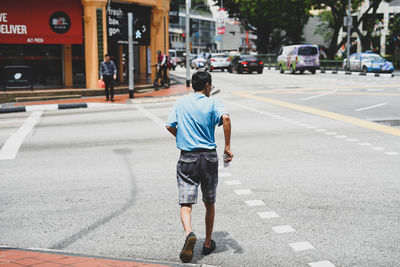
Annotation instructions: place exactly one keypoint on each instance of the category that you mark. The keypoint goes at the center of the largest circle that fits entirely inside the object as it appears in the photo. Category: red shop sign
(43, 22)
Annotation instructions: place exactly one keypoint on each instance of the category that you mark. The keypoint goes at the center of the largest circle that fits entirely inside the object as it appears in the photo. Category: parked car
(248, 63)
(173, 57)
(198, 62)
(217, 61)
(183, 62)
(298, 58)
(368, 62)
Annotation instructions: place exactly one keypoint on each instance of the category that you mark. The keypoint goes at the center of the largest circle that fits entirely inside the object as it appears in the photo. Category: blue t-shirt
(195, 117)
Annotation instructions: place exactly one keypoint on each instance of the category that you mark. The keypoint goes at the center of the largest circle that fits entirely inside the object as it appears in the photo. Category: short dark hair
(106, 55)
(200, 79)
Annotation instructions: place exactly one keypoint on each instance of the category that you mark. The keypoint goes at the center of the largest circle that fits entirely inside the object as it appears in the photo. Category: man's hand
(228, 152)
(115, 76)
(172, 130)
(101, 78)
(226, 122)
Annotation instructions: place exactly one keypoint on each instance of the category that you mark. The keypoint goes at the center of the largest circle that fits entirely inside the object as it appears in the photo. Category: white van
(298, 58)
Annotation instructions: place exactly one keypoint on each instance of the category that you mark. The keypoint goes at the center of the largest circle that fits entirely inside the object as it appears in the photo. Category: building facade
(61, 43)
(203, 40)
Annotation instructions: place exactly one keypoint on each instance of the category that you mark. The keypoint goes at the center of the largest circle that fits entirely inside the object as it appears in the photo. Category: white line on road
(321, 264)
(391, 153)
(282, 229)
(268, 214)
(341, 136)
(14, 142)
(352, 140)
(364, 144)
(254, 203)
(331, 133)
(301, 246)
(243, 192)
(151, 116)
(41, 107)
(377, 148)
(233, 182)
(371, 107)
(225, 174)
(320, 130)
(316, 96)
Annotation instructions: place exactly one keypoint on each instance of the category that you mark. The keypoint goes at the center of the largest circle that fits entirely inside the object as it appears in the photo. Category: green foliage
(325, 28)
(268, 16)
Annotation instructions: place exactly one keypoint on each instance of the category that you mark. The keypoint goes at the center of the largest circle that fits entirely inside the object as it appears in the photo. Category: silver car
(217, 61)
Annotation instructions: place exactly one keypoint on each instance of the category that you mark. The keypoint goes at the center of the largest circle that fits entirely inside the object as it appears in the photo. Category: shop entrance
(122, 62)
(45, 61)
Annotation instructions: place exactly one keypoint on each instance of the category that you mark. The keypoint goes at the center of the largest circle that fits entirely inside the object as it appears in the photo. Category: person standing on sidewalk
(192, 121)
(108, 73)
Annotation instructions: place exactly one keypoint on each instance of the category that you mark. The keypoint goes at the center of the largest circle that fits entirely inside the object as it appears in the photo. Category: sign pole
(187, 44)
(349, 25)
(130, 47)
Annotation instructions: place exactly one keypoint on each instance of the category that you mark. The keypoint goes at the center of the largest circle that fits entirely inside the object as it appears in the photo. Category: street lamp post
(188, 2)
(349, 25)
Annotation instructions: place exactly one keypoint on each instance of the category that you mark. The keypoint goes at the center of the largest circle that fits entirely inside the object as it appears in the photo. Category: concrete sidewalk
(43, 258)
(151, 96)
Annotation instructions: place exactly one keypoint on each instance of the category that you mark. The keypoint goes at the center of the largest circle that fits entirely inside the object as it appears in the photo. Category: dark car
(246, 63)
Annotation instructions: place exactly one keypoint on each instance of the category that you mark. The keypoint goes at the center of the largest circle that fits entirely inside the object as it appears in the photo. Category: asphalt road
(314, 179)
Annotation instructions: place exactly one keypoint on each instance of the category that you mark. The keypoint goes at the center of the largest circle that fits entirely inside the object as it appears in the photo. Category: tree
(266, 17)
(338, 10)
(394, 38)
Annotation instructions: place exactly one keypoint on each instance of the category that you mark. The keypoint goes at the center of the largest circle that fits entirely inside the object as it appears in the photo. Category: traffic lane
(9, 125)
(238, 240)
(364, 105)
(51, 194)
(341, 194)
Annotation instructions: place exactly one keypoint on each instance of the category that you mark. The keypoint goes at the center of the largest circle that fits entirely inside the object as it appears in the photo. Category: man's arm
(172, 130)
(226, 122)
(115, 71)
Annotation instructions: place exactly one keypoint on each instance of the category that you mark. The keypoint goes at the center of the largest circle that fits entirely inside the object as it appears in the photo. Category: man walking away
(192, 121)
(108, 73)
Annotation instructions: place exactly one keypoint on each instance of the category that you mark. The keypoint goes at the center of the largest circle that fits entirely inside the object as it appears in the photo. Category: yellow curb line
(327, 114)
(337, 93)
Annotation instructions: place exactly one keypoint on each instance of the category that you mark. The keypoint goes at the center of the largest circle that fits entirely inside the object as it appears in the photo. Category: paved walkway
(17, 257)
(172, 91)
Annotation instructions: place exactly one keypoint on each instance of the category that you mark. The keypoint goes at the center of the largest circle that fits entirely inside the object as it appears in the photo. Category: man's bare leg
(186, 218)
(210, 214)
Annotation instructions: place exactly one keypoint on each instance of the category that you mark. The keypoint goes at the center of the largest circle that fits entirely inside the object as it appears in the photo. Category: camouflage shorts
(196, 168)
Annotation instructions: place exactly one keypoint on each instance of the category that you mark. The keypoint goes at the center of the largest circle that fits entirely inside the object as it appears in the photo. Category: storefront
(62, 43)
(45, 38)
(117, 38)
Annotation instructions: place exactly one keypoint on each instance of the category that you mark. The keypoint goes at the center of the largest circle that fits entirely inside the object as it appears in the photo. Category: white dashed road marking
(233, 182)
(352, 140)
(364, 144)
(14, 142)
(341, 136)
(331, 133)
(282, 229)
(268, 214)
(378, 148)
(316, 96)
(243, 192)
(392, 153)
(371, 107)
(301, 246)
(321, 264)
(320, 130)
(254, 203)
(225, 174)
